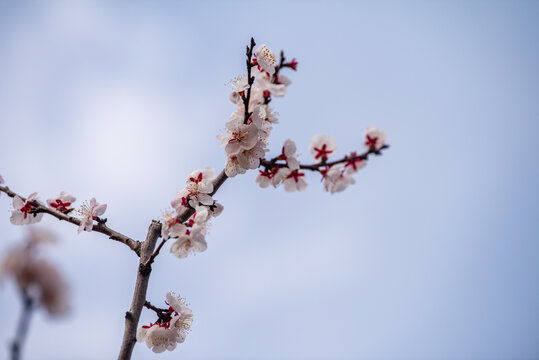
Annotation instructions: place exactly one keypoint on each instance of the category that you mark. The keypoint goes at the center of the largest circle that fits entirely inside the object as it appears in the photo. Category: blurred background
(432, 254)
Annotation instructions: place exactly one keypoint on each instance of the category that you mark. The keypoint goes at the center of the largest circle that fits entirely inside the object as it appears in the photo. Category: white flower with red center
(233, 167)
(90, 212)
(293, 180)
(250, 159)
(265, 59)
(266, 178)
(239, 136)
(336, 179)
(354, 163)
(289, 155)
(198, 187)
(24, 212)
(375, 138)
(62, 202)
(194, 238)
(322, 146)
(172, 227)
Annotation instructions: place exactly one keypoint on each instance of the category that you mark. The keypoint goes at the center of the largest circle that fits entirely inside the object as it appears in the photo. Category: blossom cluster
(170, 329)
(28, 212)
(190, 234)
(336, 176)
(35, 275)
(249, 126)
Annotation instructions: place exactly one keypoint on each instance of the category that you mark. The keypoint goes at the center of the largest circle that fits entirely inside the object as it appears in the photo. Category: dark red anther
(296, 175)
(322, 153)
(371, 141)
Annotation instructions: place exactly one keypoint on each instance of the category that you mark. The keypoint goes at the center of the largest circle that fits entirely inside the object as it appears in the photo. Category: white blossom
(375, 138)
(198, 188)
(172, 227)
(183, 318)
(158, 337)
(354, 164)
(61, 202)
(233, 167)
(289, 155)
(336, 179)
(24, 211)
(239, 136)
(265, 178)
(241, 83)
(321, 146)
(265, 59)
(89, 213)
(293, 180)
(250, 159)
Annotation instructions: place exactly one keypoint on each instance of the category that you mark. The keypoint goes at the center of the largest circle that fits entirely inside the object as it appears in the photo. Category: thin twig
(269, 164)
(100, 227)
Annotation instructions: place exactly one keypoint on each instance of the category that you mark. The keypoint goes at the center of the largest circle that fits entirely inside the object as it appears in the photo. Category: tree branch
(22, 327)
(139, 295)
(269, 164)
(99, 227)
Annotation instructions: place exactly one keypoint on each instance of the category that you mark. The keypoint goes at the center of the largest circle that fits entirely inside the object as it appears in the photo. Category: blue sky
(432, 254)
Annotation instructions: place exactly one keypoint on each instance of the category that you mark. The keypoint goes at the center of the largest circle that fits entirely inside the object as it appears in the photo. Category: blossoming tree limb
(245, 142)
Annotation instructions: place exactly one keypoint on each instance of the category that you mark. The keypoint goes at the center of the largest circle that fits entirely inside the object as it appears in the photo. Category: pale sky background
(432, 254)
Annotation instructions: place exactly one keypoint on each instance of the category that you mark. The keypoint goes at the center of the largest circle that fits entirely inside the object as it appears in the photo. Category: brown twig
(99, 227)
(269, 164)
(250, 80)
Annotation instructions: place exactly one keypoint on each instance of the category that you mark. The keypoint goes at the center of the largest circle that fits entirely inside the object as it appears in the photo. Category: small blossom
(321, 146)
(89, 213)
(61, 202)
(192, 241)
(158, 337)
(165, 335)
(265, 59)
(250, 159)
(292, 180)
(233, 167)
(239, 136)
(336, 179)
(289, 155)
(266, 178)
(354, 164)
(24, 212)
(241, 83)
(172, 227)
(198, 187)
(375, 138)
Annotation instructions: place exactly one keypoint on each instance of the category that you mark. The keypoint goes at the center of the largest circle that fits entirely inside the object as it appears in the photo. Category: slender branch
(99, 227)
(139, 295)
(22, 327)
(268, 164)
(250, 80)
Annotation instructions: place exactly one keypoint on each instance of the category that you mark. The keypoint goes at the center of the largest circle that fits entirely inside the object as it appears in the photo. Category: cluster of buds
(35, 275)
(171, 327)
(190, 233)
(249, 127)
